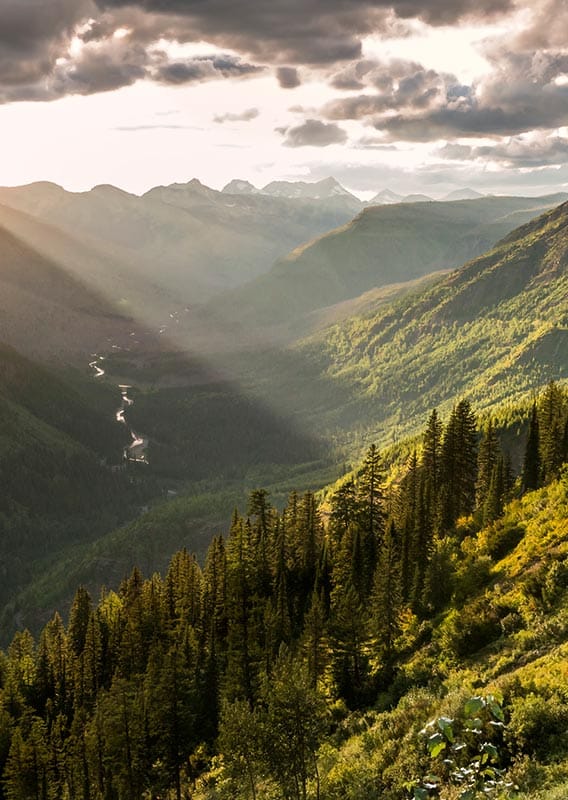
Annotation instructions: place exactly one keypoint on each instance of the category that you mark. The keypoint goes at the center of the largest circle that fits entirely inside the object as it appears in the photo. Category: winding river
(136, 450)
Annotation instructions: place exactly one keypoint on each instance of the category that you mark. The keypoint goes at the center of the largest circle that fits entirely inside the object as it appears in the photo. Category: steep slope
(48, 305)
(382, 245)
(494, 329)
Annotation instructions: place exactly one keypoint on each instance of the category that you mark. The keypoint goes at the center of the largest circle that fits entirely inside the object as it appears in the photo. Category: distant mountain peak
(464, 193)
(324, 189)
(45, 186)
(239, 186)
(108, 189)
(386, 197)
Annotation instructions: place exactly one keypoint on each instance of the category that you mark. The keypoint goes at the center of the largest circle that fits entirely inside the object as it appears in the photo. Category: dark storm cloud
(305, 31)
(32, 33)
(313, 133)
(288, 77)
(100, 70)
(203, 68)
(244, 116)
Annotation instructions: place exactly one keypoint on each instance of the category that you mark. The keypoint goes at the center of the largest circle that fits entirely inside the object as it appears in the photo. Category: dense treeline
(292, 612)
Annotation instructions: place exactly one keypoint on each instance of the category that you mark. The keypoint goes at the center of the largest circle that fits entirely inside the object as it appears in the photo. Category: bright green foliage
(466, 752)
(294, 724)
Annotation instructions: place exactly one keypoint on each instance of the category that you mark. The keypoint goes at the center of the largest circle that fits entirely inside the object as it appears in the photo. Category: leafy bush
(465, 753)
(466, 631)
(539, 726)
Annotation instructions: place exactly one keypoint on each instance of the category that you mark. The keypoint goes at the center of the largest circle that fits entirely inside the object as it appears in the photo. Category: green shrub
(466, 631)
(539, 726)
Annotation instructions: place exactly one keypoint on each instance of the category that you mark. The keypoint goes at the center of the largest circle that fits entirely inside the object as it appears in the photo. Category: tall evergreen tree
(371, 514)
(458, 465)
(531, 474)
(487, 459)
(387, 597)
(552, 422)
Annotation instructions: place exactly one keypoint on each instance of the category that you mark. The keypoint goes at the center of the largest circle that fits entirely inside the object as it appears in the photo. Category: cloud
(547, 28)
(535, 151)
(288, 77)
(305, 31)
(32, 35)
(244, 116)
(524, 92)
(203, 68)
(313, 133)
(40, 59)
(437, 179)
(157, 128)
(374, 143)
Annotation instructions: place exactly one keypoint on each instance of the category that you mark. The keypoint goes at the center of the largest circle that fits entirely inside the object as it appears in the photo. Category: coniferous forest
(305, 657)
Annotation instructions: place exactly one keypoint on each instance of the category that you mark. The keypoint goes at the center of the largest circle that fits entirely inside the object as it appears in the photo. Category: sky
(410, 95)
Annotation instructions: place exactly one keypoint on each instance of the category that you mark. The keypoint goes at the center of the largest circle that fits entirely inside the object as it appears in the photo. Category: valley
(358, 349)
(284, 400)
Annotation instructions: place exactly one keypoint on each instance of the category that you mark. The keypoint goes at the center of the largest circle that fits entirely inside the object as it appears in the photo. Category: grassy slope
(494, 330)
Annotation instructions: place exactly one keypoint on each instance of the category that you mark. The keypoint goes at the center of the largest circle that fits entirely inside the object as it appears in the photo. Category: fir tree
(530, 479)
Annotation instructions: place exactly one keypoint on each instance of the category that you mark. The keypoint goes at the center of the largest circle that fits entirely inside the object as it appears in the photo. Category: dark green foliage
(531, 464)
(458, 465)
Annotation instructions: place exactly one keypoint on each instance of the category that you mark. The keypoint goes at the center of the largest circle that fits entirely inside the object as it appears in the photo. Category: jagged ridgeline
(302, 659)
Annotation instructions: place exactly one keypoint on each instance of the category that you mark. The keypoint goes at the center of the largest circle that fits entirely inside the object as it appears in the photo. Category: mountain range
(186, 237)
(382, 245)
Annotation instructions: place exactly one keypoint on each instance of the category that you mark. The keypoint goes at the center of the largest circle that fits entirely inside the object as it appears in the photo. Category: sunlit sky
(416, 97)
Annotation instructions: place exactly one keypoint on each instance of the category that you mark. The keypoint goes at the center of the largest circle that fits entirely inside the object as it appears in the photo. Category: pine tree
(79, 616)
(531, 474)
(170, 694)
(458, 465)
(294, 724)
(488, 456)
(494, 501)
(239, 677)
(350, 648)
(408, 504)
(314, 638)
(552, 421)
(387, 597)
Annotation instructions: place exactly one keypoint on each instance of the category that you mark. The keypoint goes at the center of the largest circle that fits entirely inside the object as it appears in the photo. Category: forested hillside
(58, 441)
(381, 246)
(306, 655)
